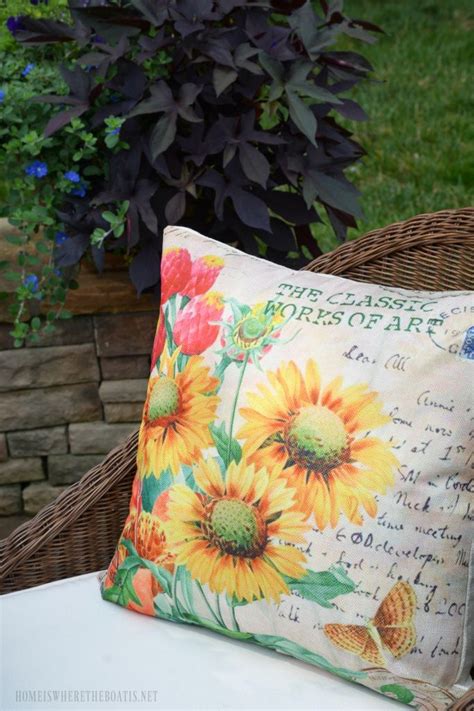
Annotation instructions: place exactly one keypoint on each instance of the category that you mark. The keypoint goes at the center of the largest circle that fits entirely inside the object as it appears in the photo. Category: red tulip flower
(175, 271)
(204, 272)
(194, 330)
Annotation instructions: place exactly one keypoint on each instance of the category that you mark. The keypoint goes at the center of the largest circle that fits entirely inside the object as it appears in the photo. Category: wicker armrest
(77, 533)
(433, 252)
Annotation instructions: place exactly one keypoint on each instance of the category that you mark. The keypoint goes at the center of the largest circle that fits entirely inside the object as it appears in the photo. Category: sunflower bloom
(316, 435)
(238, 535)
(176, 417)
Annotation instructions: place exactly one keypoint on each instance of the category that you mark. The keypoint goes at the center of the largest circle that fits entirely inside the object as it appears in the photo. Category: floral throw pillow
(304, 470)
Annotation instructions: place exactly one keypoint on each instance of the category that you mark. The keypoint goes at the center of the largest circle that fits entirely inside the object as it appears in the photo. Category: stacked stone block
(65, 403)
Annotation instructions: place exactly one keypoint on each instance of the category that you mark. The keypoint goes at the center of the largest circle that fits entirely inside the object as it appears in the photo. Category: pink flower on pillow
(204, 272)
(195, 329)
(175, 272)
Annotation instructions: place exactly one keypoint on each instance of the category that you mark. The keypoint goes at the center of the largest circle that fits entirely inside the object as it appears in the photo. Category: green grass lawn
(420, 136)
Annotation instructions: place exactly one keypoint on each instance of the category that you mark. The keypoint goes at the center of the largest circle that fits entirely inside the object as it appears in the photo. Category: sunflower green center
(250, 330)
(317, 439)
(164, 399)
(236, 527)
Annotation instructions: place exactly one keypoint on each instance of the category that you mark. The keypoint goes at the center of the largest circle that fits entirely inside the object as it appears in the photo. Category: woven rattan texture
(77, 533)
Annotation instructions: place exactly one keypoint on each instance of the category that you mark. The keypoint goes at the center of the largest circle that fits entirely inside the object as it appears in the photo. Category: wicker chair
(77, 533)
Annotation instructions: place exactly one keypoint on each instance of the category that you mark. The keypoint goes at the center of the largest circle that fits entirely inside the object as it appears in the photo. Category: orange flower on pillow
(238, 536)
(145, 530)
(178, 411)
(315, 434)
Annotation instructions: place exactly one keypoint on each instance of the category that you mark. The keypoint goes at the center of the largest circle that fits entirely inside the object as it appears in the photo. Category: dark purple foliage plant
(221, 115)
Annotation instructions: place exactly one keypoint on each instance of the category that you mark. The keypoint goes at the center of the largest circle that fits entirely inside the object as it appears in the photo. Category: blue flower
(114, 131)
(58, 272)
(2, 96)
(80, 191)
(29, 67)
(14, 24)
(31, 281)
(37, 169)
(72, 176)
(60, 238)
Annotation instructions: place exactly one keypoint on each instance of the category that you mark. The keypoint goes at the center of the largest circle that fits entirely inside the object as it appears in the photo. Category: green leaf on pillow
(286, 646)
(153, 486)
(184, 579)
(163, 576)
(195, 620)
(400, 692)
(189, 477)
(322, 587)
(164, 608)
(169, 332)
(128, 591)
(126, 543)
(221, 440)
(133, 560)
(235, 602)
(122, 591)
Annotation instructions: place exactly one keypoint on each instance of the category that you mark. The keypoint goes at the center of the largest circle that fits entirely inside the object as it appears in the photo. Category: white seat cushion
(64, 637)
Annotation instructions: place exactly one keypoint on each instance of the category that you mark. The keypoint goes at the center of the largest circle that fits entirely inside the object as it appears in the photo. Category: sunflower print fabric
(312, 432)
(302, 471)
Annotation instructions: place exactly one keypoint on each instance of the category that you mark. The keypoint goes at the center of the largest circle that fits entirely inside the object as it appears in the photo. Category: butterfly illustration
(392, 628)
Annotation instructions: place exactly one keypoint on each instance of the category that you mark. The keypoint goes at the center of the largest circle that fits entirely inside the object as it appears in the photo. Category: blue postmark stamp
(467, 348)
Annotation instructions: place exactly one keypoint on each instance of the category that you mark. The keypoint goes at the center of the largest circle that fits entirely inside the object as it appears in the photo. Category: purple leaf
(351, 110)
(251, 210)
(290, 206)
(337, 193)
(163, 135)
(161, 100)
(222, 78)
(155, 11)
(302, 116)
(62, 119)
(77, 80)
(71, 251)
(98, 255)
(189, 93)
(175, 208)
(254, 164)
(145, 268)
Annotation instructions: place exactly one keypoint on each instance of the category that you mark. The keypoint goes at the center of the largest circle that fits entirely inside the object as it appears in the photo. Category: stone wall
(65, 403)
